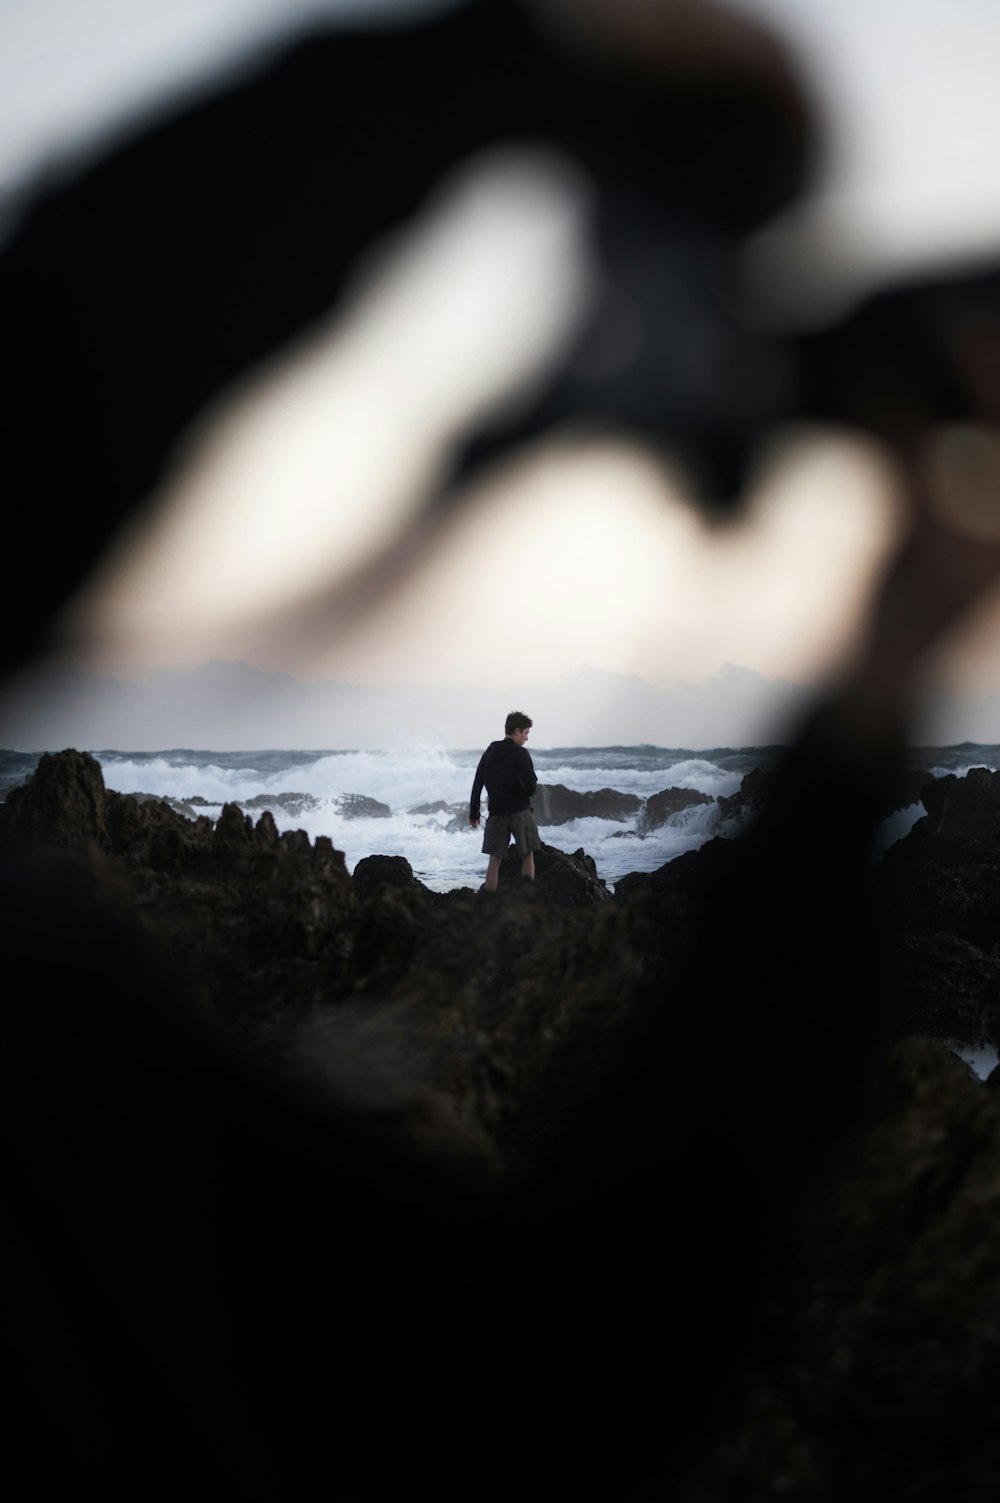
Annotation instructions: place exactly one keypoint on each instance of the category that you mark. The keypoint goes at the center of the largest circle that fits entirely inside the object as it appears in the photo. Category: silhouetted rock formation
(909, 787)
(931, 883)
(966, 808)
(942, 987)
(290, 803)
(571, 881)
(257, 924)
(751, 797)
(360, 806)
(554, 804)
(374, 871)
(661, 806)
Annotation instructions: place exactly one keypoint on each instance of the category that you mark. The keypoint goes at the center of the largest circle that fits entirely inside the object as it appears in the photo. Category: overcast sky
(615, 571)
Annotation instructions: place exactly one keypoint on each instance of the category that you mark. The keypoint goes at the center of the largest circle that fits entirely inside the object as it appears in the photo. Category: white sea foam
(694, 773)
(182, 781)
(962, 769)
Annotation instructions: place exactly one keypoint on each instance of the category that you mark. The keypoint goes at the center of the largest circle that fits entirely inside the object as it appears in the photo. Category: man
(506, 769)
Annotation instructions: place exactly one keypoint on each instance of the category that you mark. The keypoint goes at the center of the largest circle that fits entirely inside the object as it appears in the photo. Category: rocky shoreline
(267, 928)
(488, 1033)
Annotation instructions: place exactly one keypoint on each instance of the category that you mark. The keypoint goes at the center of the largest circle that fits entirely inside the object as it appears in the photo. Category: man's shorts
(501, 829)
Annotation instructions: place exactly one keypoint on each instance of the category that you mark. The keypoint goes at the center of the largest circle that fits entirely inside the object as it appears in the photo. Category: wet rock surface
(661, 806)
(569, 880)
(554, 804)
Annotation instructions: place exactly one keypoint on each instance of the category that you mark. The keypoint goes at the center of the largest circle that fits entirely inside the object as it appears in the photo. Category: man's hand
(474, 823)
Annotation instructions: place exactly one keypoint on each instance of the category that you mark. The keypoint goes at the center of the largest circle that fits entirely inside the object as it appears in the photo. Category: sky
(617, 590)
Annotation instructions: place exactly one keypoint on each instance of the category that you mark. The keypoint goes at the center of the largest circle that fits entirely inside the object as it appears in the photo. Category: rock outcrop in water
(670, 801)
(554, 804)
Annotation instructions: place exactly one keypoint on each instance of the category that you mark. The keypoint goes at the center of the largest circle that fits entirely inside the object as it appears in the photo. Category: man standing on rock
(506, 769)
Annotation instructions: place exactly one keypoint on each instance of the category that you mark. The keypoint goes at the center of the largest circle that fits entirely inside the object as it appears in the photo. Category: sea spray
(443, 851)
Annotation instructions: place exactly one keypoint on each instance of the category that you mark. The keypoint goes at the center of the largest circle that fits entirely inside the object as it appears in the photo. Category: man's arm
(526, 771)
(477, 788)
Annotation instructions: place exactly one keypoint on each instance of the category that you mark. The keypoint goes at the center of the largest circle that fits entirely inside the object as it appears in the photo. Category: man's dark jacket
(509, 775)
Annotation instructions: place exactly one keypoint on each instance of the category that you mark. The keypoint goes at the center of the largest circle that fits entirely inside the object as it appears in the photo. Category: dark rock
(459, 821)
(389, 926)
(372, 871)
(687, 877)
(255, 926)
(554, 804)
(291, 803)
(751, 797)
(659, 808)
(888, 1268)
(965, 808)
(909, 787)
(942, 987)
(62, 804)
(571, 881)
(930, 883)
(359, 806)
(438, 806)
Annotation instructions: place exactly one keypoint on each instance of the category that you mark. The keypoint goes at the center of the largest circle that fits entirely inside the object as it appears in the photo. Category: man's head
(517, 726)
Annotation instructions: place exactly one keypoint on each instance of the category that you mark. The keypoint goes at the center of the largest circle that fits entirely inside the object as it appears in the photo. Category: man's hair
(517, 721)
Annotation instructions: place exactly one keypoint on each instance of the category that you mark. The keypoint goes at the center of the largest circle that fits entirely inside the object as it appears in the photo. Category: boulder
(554, 804)
(751, 796)
(570, 881)
(659, 808)
(685, 881)
(359, 806)
(291, 803)
(376, 871)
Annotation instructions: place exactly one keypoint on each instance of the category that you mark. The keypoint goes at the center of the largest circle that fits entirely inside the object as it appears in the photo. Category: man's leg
(528, 866)
(492, 874)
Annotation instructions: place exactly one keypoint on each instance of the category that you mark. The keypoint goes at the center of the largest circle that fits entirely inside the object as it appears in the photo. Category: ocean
(318, 791)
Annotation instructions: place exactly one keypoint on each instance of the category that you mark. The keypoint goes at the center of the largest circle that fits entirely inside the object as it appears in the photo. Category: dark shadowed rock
(291, 803)
(389, 927)
(62, 804)
(255, 925)
(554, 804)
(359, 806)
(939, 883)
(571, 881)
(889, 1266)
(661, 806)
(909, 788)
(374, 871)
(751, 796)
(688, 876)
(966, 808)
(940, 986)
